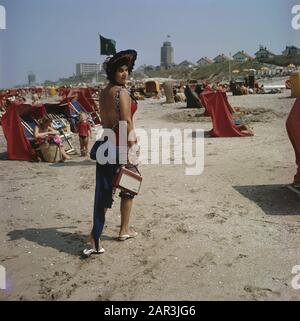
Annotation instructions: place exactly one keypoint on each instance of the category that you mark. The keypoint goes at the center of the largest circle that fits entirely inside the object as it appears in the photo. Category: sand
(231, 233)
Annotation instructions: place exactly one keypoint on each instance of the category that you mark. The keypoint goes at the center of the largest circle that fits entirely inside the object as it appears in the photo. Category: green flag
(108, 46)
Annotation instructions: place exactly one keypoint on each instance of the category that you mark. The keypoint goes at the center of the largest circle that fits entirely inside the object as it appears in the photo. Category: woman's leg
(81, 146)
(98, 225)
(86, 145)
(64, 155)
(126, 206)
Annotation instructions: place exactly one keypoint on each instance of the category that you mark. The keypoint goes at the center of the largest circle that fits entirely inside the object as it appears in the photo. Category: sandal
(125, 237)
(89, 252)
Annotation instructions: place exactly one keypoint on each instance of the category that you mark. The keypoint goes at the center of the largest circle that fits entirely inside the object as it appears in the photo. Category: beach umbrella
(245, 70)
(291, 66)
(264, 68)
(252, 69)
(236, 71)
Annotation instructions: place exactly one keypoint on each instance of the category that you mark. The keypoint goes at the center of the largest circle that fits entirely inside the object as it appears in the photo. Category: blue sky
(48, 37)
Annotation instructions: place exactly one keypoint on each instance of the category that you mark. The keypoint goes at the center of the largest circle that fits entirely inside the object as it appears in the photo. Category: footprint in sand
(206, 260)
(210, 216)
(85, 186)
(258, 293)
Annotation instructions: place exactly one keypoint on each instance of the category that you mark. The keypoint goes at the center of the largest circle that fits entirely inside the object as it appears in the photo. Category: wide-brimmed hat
(112, 63)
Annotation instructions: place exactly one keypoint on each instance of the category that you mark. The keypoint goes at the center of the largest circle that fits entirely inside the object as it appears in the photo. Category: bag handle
(137, 170)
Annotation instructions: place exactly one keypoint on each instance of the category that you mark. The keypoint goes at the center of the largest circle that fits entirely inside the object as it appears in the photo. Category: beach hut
(152, 87)
(52, 92)
(295, 84)
(192, 99)
(168, 88)
(18, 130)
(219, 109)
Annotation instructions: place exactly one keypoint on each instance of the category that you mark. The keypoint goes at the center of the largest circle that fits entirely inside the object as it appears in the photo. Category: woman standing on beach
(116, 105)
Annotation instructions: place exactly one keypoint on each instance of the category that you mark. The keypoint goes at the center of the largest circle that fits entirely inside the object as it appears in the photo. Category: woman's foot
(89, 252)
(66, 157)
(92, 250)
(123, 236)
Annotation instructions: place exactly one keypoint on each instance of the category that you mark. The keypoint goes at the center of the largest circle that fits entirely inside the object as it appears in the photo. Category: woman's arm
(37, 134)
(52, 131)
(125, 115)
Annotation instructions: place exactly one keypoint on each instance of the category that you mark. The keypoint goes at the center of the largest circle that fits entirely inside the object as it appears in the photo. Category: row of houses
(242, 56)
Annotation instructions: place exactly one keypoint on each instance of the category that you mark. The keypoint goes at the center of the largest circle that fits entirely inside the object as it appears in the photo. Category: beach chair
(294, 188)
(77, 108)
(29, 124)
(192, 100)
(59, 126)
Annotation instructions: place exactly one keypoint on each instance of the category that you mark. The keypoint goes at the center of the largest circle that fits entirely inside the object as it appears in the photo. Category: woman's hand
(134, 154)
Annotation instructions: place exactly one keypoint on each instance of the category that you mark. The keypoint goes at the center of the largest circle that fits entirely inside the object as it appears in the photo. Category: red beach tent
(18, 146)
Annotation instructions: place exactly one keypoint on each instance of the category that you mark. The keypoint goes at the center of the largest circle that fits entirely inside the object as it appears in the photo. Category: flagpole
(98, 60)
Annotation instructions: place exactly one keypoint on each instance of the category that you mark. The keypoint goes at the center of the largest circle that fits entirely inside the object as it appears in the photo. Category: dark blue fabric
(77, 106)
(103, 192)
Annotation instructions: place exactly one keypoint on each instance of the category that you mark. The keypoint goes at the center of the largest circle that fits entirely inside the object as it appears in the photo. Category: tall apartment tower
(31, 79)
(167, 55)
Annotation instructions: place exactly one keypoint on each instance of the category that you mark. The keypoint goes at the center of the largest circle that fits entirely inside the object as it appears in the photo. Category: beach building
(31, 79)
(84, 69)
(242, 56)
(167, 55)
(204, 61)
(291, 51)
(264, 53)
(221, 58)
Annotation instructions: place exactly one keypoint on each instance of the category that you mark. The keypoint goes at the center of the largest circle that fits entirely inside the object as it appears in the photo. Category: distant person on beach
(84, 133)
(116, 105)
(35, 99)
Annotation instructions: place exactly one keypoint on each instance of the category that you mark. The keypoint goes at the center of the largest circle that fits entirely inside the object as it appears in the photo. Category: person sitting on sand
(244, 90)
(45, 133)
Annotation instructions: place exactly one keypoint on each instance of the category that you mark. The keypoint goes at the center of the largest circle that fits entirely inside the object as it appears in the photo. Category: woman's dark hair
(111, 72)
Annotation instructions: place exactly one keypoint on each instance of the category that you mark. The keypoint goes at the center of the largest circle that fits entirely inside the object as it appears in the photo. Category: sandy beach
(231, 233)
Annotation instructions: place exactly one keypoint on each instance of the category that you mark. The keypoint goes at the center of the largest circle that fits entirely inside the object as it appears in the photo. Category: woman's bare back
(108, 106)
